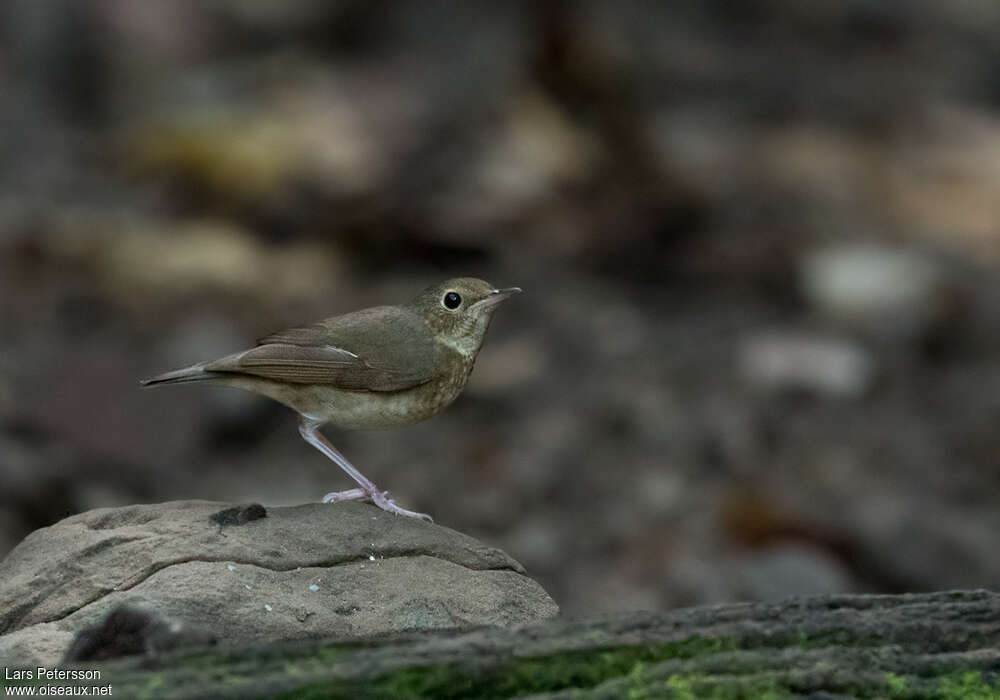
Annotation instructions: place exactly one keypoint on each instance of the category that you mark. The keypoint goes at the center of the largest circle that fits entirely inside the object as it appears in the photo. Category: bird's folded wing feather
(358, 352)
(316, 334)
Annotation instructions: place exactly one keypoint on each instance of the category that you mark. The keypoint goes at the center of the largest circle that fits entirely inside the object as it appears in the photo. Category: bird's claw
(379, 498)
(382, 500)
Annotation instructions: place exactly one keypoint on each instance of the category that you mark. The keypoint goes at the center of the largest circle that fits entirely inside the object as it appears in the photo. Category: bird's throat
(467, 339)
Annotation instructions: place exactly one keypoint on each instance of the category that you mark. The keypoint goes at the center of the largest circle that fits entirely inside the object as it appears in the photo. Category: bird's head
(459, 310)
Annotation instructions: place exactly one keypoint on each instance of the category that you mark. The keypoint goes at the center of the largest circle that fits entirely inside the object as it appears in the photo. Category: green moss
(961, 685)
(707, 687)
(636, 683)
(521, 675)
(444, 682)
(635, 672)
(153, 684)
(681, 688)
(897, 685)
(968, 686)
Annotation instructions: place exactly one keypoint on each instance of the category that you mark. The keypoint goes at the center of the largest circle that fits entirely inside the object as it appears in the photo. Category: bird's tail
(194, 373)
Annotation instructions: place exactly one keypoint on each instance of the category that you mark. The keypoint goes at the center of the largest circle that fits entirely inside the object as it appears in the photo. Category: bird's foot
(379, 498)
(382, 500)
(350, 495)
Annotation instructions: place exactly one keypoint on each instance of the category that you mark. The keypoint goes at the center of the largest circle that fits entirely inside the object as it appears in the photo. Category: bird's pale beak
(496, 296)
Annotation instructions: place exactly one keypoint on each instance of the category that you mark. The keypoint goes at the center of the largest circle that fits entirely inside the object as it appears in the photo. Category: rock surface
(936, 645)
(242, 574)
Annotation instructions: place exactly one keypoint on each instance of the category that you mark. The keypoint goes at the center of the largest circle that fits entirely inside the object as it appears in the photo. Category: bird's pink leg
(309, 429)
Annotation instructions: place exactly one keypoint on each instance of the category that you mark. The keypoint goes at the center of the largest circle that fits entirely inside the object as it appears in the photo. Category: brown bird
(382, 367)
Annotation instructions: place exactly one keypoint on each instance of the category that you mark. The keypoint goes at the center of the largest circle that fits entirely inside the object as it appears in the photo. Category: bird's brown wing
(316, 334)
(382, 349)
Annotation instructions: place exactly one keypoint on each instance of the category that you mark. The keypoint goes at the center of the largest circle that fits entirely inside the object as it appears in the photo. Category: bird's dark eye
(451, 300)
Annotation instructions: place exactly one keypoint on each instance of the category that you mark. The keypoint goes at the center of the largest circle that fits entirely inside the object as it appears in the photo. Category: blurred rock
(541, 148)
(701, 146)
(12, 528)
(890, 288)
(136, 261)
(659, 491)
(537, 538)
(215, 254)
(829, 165)
(789, 570)
(536, 151)
(265, 151)
(618, 328)
(6, 396)
(281, 573)
(270, 17)
(666, 180)
(945, 181)
(929, 546)
(791, 362)
(695, 578)
(131, 630)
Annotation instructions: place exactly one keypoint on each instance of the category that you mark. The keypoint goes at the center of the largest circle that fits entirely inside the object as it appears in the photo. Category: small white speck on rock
(230, 567)
(267, 607)
(314, 587)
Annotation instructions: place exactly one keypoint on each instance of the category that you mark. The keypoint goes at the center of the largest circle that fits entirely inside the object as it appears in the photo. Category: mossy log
(936, 645)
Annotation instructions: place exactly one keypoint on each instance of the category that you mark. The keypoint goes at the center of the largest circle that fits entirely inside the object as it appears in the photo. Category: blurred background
(759, 350)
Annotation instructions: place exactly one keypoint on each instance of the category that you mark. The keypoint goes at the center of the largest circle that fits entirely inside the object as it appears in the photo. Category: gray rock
(789, 570)
(37, 645)
(253, 575)
(827, 367)
(936, 645)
